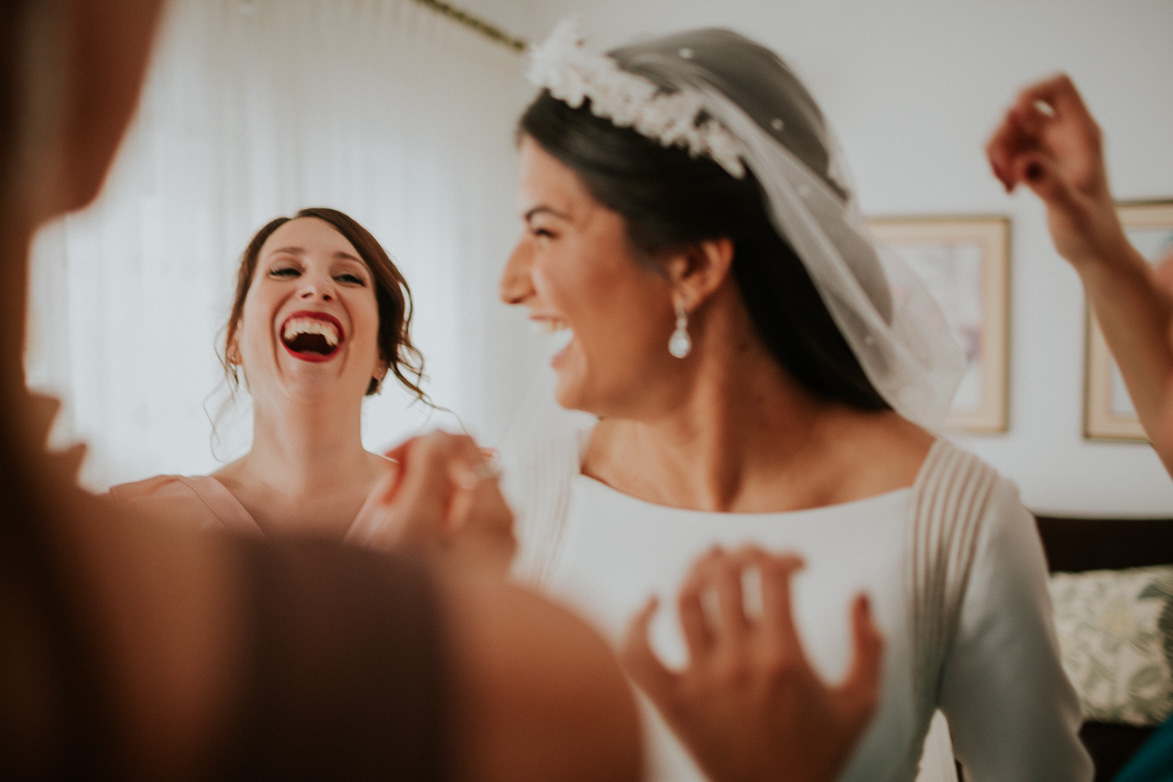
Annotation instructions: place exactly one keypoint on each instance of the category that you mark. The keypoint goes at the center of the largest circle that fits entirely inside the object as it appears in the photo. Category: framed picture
(964, 263)
(1108, 413)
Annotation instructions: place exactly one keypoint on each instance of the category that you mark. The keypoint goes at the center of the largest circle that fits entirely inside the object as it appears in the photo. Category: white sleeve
(1012, 713)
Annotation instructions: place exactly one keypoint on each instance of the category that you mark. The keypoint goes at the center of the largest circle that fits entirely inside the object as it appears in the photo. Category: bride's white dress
(1012, 713)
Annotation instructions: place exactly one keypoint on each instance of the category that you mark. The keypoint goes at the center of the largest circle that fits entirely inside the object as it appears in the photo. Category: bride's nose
(516, 285)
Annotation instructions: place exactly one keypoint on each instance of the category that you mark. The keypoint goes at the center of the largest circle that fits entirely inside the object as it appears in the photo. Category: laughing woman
(320, 317)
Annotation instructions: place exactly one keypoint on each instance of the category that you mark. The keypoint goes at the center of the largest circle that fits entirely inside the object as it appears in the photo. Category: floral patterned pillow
(1116, 640)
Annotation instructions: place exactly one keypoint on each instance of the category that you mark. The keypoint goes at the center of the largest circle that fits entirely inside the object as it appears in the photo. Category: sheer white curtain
(380, 108)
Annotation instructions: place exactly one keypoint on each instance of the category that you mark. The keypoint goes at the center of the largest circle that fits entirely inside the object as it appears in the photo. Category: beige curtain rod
(490, 31)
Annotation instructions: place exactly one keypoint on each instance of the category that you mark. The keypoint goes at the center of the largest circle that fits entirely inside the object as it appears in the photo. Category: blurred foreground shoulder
(194, 502)
(538, 692)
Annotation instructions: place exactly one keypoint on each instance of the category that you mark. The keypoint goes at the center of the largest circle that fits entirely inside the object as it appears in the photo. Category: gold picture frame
(965, 263)
(1107, 412)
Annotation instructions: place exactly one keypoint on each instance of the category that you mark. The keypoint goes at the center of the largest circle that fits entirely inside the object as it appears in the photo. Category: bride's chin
(568, 395)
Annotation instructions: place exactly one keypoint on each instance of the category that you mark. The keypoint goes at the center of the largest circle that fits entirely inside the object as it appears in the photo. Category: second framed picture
(964, 263)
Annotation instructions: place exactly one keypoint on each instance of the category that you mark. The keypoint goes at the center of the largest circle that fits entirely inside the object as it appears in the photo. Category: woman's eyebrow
(544, 210)
(339, 255)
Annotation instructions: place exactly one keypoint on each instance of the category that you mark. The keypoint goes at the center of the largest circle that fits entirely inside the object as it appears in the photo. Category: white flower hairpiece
(572, 73)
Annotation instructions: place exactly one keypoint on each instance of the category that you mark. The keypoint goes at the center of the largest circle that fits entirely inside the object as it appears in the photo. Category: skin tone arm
(535, 704)
(749, 706)
(444, 501)
(1049, 141)
(540, 695)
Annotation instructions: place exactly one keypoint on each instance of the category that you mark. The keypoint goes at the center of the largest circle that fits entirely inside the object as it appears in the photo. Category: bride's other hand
(748, 705)
(1050, 142)
(442, 496)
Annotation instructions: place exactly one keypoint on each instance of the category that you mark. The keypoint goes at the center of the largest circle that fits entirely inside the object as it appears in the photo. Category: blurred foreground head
(70, 73)
(70, 76)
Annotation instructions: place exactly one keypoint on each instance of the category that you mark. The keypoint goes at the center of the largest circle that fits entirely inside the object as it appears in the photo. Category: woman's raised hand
(749, 706)
(1051, 143)
(442, 496)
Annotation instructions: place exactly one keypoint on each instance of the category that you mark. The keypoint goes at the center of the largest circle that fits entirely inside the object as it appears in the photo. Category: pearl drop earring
(680, 344)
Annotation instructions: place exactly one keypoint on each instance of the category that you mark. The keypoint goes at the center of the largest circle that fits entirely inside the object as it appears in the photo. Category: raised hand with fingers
(1051, 143)
(748, 705)
(442, 497)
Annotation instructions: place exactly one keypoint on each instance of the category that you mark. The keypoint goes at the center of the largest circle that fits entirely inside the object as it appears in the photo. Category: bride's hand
(443, 497)
(749, 706)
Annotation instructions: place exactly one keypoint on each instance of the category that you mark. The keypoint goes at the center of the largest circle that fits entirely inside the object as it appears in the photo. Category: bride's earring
(680, 344)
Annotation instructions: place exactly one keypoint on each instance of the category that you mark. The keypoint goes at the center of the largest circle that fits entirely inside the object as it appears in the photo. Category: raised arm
(1049, 141)
(749, 706)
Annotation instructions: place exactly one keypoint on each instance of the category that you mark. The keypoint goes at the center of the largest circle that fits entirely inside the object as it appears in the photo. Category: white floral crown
(564, 66)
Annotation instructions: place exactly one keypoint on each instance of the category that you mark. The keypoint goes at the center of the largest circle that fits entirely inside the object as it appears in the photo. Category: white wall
(913, 88)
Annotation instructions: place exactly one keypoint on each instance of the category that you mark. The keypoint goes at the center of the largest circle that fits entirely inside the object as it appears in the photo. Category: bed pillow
(1116, 640)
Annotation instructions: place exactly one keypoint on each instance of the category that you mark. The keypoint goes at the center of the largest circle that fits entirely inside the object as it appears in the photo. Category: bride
(760, 378)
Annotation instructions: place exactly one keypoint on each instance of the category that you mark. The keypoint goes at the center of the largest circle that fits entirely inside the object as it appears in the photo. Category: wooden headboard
(1074, 544)
(1078, 544)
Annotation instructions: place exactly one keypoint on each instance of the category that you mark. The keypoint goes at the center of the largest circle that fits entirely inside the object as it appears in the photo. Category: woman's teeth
(559, 333)
(559, 339)
(297, 326)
